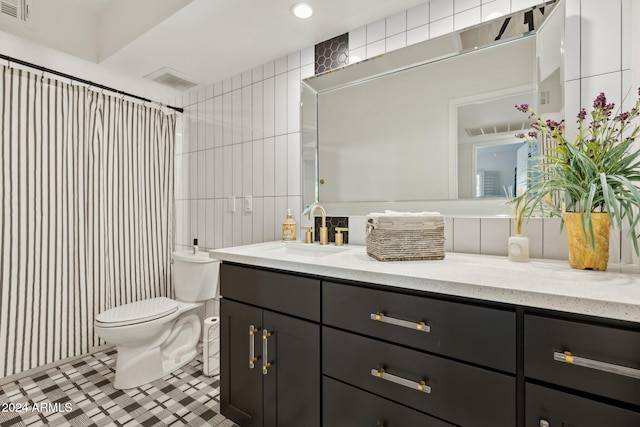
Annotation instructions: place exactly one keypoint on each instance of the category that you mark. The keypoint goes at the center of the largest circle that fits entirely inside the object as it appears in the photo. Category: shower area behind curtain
(86, 213)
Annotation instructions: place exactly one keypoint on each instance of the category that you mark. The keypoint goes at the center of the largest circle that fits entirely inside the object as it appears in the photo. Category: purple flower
(533, 134)
(622, 117)
(582, 114)
(523, 107)
(552, 125)
(600, 101)
(520, 135)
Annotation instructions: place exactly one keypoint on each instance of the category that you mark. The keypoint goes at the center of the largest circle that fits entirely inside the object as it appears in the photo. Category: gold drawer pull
(252, 347)
(569, 358)
(420, 386)
(419, 326)
(265, 347)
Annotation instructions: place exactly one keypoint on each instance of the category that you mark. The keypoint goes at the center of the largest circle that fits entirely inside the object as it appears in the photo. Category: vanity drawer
(459, 393)
(602, 349)
(481, 335)
(286, 293)
(346, 406)
(560, 409)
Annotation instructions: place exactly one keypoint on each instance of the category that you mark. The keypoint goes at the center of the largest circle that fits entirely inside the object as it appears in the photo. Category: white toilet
(156, 336)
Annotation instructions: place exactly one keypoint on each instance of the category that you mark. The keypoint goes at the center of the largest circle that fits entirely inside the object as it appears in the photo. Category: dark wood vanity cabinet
(270, 360)
(305, 351)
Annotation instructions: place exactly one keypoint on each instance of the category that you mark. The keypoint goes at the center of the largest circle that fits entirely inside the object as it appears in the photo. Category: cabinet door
(241, 385)
(292, 381)
(553, 408)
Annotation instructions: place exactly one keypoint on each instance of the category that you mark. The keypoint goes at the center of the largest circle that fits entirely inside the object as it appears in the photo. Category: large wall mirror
(432, 126)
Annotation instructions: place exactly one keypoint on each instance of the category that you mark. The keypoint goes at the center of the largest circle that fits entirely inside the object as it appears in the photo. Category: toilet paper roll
(211, 346)
(211, 326)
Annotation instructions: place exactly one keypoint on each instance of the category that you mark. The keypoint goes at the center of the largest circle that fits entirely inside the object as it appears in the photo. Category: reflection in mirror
(403, 128)
(488, 150)
(309, 141)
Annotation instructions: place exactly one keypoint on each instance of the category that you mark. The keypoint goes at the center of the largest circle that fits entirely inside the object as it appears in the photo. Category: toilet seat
(137, 312)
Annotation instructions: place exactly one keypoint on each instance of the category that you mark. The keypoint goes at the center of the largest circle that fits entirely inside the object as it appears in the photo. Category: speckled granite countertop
(540, 283)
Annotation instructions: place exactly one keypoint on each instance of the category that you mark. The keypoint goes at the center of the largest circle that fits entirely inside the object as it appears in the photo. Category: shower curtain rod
(87, 82)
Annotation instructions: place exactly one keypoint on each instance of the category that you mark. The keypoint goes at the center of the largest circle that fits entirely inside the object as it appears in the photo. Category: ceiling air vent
(16, 10)
(174, 79)
(498, 128)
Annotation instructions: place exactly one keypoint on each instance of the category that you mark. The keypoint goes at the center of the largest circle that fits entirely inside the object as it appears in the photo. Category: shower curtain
(86, 213)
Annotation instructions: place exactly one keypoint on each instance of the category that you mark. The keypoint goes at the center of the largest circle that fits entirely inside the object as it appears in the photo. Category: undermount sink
(303, 249)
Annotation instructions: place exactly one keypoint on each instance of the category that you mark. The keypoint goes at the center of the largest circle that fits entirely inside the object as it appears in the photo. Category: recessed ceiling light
(301, 10)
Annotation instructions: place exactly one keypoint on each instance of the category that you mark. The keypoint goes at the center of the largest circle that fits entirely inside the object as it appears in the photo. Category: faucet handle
(339, 238)
(308, 235)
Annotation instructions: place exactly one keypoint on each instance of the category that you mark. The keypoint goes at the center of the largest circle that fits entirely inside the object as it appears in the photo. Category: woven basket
(405, 238)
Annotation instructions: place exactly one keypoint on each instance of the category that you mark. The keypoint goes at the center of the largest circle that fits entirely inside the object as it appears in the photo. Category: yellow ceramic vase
(581, 256)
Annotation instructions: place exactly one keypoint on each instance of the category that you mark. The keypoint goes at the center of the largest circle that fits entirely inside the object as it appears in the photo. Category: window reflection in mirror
(491, 159)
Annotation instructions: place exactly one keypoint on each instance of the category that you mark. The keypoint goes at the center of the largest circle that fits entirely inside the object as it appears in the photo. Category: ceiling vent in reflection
(498, 128)
(174, 79)
(16, 10)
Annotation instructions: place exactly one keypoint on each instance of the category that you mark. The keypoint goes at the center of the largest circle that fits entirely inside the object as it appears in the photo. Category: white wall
(241, 136)
(35, 53)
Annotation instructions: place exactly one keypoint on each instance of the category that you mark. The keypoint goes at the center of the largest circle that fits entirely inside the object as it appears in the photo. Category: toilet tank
(195, 276)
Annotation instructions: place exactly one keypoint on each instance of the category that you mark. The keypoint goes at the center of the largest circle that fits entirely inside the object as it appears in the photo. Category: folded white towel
(405, 220)
(394, 213)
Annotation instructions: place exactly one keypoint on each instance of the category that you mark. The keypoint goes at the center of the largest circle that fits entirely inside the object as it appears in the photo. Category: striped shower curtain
(86, 213)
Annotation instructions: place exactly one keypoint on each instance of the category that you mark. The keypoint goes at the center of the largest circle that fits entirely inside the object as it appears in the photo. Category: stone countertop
(547, 284)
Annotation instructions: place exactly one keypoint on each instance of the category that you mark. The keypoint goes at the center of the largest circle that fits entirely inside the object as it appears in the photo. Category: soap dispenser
(289, 228)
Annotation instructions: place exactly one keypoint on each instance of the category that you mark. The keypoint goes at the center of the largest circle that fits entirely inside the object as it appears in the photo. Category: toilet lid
(137, 312)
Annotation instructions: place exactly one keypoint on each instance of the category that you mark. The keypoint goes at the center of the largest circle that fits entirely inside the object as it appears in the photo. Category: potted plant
(591, 181)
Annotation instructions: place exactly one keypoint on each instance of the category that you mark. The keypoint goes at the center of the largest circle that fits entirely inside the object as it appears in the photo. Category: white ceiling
(209, 40)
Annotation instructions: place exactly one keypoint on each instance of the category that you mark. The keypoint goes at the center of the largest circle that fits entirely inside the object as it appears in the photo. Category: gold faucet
(324, 231)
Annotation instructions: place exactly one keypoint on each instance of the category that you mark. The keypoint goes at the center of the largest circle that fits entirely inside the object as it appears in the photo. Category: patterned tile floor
(80, 393)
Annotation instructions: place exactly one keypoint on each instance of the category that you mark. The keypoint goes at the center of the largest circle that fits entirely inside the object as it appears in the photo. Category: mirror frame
(409, 57)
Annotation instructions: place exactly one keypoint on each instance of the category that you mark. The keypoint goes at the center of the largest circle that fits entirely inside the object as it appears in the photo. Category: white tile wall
(467, 18)
(554, 241)
(599, 51)
(494, 233)
(466, 235)
(440, 9)
(241, 136)
(532, 229)
(396, 24)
